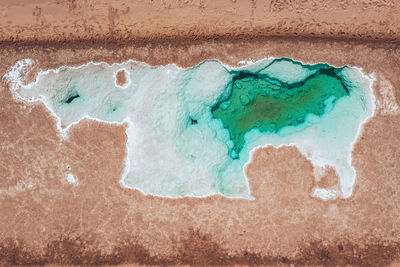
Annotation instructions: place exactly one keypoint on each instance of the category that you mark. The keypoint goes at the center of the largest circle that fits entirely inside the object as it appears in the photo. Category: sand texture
(47, 220)
(155, 19)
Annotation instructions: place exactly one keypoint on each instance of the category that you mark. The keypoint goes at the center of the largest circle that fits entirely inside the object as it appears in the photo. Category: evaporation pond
(191, 131)
(257, 101)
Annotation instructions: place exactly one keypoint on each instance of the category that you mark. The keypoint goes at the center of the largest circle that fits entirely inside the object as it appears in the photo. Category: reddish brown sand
(121, 78)
(44, 219)
(154, 19)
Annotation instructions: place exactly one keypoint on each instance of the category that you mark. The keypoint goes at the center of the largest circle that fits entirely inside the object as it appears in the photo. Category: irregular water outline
(14, 84)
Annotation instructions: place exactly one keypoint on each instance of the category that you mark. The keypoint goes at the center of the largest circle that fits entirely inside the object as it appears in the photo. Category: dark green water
(256, 101)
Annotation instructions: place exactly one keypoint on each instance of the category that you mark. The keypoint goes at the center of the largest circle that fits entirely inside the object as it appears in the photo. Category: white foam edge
(64, 132)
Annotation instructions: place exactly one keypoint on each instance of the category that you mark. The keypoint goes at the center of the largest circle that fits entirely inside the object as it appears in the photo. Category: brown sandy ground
(44, 219)
(121, 78)
(123, 19)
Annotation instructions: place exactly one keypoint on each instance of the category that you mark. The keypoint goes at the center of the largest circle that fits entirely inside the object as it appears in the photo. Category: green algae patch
(257, 101)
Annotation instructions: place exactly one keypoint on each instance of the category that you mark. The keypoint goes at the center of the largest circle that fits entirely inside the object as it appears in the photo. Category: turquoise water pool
(257, 101)
(192, 131)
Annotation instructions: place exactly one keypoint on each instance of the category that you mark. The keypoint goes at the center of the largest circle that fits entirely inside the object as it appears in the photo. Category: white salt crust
(167, 158)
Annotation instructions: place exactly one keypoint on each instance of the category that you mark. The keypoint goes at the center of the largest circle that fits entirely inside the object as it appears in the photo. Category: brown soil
(121, 78)
(45, 220)
(154, 19)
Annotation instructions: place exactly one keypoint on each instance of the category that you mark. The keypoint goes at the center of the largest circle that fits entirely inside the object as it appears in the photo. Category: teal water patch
(191, 131)
(259, 101)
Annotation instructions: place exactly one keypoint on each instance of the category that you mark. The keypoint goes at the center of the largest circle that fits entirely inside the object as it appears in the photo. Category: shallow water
(191, 131)
(257, 101)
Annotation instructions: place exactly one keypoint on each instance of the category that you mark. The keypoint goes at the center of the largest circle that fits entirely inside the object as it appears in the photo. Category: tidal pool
(191, 131)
